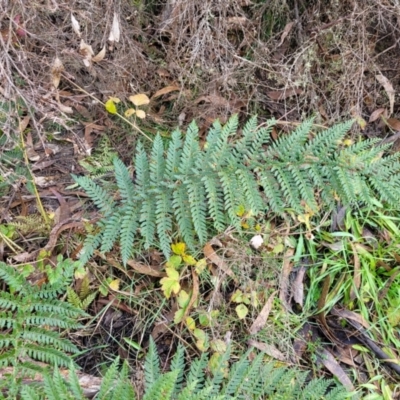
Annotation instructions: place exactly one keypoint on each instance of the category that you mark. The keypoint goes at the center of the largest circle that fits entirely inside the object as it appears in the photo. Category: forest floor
(67, 72)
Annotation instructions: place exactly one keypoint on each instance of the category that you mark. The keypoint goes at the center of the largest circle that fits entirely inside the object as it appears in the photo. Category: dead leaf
(284, 278)
(261, 319)
(140, 114)
(139, 99)
(283, 94)
(376, 114)
(388, 89)
(298, 287)
(87, 52)
(393, 123)
(215, 99)
(56, 71)
(115, 30)
(162, 327)
(65, 109)
(268, 349)
(146, 269)
(326, 358)
(167, 89)
(75, 25)
(100, 55)
(212, 256)
(286, 32)
(347, 314)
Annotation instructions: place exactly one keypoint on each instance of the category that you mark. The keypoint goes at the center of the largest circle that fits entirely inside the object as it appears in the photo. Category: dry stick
(132, 124)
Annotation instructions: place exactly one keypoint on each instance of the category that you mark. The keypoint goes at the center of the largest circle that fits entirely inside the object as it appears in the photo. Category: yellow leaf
(114, 284)
(139, 99)
(110, 106)
(179, 248)
(190, 323)
(347, 142)
(202, 339)
(170, 284)
(129, 112)
(219, 346)
(200, 266)
(305, 219)
(189, 260)
(240, 211)
(245, 225)
(80, 273)
(141, 114)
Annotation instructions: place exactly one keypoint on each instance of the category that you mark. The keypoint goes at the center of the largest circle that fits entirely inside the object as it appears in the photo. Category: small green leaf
(133, 344)
(174, 261)
(241, 311)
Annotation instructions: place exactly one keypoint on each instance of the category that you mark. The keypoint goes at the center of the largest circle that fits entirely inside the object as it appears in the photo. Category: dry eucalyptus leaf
(115, 30)
(100, 55)
(75, 25)
(165, 90)
(376, 114)
(388, 89)
(139, 99)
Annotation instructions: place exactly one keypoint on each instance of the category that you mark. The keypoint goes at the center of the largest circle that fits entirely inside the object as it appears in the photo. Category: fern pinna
(198, 189)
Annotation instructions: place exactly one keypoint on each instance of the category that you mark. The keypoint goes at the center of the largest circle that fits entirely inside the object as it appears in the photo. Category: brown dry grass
(231, 56)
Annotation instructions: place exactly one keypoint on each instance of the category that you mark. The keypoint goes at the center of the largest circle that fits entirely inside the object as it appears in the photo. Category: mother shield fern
(196, 189)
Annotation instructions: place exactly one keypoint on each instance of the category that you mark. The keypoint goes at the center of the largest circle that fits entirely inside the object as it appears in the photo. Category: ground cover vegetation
(199, 199)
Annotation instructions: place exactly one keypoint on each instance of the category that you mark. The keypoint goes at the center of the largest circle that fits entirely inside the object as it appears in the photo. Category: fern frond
(162, 387)
(129, 226)
(157, 162)
(189, 187)
(107, 384)
(98, 195)
(178, 364)
(151, 365)
(124, 181)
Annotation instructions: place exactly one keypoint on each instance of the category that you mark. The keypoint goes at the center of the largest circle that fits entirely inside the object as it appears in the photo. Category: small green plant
(203, 189)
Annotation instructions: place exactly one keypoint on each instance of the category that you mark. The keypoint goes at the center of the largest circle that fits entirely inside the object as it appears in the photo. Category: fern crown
(198, 189)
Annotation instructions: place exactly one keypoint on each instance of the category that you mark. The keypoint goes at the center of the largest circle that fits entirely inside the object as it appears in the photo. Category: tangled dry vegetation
(60, 61)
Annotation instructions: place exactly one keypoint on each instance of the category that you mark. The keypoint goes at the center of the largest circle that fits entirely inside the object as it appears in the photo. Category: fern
(243, 380)
(199, 190)
(32, 317)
